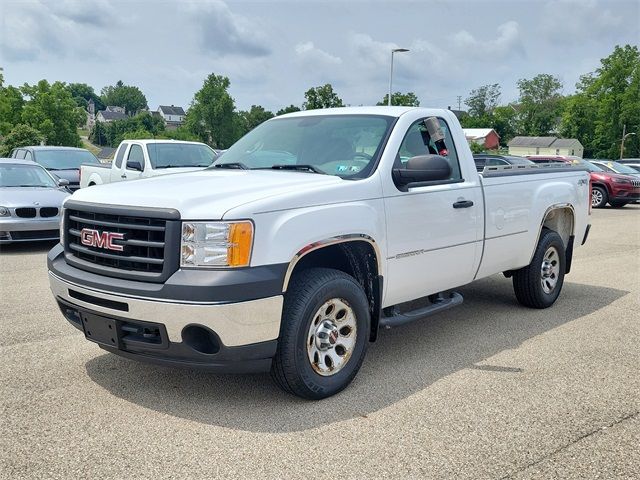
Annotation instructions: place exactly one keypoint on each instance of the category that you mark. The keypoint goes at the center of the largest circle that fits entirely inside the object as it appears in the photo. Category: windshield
(343, 145)
(175, 155)
(14, 175)
(619, 167)
(64, 159)
(590, 166)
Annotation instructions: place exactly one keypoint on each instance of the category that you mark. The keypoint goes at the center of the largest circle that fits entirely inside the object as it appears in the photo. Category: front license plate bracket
(101, 330)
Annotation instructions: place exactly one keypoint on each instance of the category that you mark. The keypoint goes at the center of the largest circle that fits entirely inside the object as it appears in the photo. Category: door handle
(463, 204)
(124, 175)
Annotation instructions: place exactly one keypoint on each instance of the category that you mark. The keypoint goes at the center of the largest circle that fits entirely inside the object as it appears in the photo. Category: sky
(273, 51)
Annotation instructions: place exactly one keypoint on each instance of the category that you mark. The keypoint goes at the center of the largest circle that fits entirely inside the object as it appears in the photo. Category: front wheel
(323, 335)
(538, 284)
(599, 197)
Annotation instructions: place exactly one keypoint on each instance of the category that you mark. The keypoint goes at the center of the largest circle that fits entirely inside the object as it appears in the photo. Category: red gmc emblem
(94, 238)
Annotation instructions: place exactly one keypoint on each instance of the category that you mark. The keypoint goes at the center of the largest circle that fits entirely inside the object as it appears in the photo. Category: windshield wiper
(20, 186)
(299, 167)
(232, 165)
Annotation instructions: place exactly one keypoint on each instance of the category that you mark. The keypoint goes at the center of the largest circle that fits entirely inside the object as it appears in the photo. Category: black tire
(528, 281)
(618, 203)
(599, 197)
(308, 291)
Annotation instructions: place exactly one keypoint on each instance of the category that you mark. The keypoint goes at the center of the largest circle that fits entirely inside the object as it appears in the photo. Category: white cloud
(507, 43)
(308, 53)
(573, 21)
(226, 33)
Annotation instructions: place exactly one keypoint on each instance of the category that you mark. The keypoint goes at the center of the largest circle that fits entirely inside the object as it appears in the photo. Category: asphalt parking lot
(487, 390)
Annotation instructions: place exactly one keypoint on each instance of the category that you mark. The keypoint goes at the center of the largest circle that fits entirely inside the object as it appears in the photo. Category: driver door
(434, 242)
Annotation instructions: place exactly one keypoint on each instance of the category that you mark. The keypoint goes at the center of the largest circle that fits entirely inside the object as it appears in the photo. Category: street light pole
(391, 72)
(624, 137)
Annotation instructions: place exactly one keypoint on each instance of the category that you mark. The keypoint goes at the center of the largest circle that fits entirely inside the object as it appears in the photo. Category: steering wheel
(363, 155)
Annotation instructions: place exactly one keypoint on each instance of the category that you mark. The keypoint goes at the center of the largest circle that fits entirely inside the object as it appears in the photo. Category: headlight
(4, 212)
(621, 180)
(62, 226)
(216, 244)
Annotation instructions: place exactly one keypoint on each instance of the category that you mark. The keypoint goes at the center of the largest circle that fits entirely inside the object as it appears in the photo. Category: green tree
(321, 97)
(483, 100)
(112, 133)
(251, 119)
(11, 104)
(399, 99)
(540, 104)
(605, 102)
(290, 109)
(52, 111)
(83, 93)
(127, 96)
(20, 136)
(504, 120)
(98, 134)
(211, 116)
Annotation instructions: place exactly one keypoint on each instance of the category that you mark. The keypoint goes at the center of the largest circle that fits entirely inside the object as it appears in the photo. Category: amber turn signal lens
(240, 242)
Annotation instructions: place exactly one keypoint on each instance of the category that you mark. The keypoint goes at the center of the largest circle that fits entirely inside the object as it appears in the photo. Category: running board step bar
(440, 304)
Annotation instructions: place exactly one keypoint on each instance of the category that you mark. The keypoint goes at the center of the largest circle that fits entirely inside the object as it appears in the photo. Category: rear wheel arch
(357, 255)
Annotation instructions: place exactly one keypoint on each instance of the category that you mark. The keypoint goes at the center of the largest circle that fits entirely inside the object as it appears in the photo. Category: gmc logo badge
(94, 238)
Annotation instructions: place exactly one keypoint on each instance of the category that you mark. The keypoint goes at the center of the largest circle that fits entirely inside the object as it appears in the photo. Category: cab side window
(120, 155)
(27, 155)
(136, 155)
(417, 142)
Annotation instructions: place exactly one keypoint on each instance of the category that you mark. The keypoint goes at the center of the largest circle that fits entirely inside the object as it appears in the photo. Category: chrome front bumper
(236, 324)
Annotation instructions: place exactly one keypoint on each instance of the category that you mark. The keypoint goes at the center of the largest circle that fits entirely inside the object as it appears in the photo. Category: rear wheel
(538, 284)
(599, 197)
(323, 335)
(618, 203)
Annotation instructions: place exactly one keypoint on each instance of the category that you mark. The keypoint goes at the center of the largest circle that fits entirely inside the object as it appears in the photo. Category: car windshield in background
(343, 145)
(24, 176)
(176, 155)
(590, 166)
(618, 167)
(64, 159)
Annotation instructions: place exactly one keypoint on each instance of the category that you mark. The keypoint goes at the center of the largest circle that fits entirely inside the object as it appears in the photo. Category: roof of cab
(371, 110)
(16, 161)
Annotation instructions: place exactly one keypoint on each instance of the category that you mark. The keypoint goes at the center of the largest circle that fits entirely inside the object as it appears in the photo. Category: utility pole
(459, 102)
(624, 136)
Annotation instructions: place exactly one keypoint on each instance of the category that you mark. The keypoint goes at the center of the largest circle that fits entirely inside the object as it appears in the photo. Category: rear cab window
(120, 155)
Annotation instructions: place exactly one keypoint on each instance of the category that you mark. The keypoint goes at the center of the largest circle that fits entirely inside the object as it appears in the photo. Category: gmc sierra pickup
(305, 238)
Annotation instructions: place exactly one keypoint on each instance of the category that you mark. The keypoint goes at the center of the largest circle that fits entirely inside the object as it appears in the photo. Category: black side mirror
(63, 182)
(422, 170)
(134, 165)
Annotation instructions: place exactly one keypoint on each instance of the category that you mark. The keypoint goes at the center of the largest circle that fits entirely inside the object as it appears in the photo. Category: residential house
(523, 146)
(487, 137)
(111, 113)
(173, 116)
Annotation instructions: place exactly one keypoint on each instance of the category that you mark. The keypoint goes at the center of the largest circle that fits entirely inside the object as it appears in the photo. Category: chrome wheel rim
(331, 337)
(550, 270)
(596, 197)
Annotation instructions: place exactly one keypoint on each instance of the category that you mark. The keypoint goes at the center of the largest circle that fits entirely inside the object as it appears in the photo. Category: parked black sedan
(487, 160)
(63, 162)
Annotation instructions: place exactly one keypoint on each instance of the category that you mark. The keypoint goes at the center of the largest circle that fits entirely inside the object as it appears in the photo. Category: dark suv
(62, 162)
(487, 160)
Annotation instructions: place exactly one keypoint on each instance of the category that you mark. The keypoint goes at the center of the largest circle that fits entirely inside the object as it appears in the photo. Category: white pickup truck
(312, 232)
(148, 158)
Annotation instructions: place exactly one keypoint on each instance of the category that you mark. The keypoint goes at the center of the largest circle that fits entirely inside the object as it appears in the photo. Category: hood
(168, 171)
(27, 196)
(72, 175)
(611, 176)
(206, 194)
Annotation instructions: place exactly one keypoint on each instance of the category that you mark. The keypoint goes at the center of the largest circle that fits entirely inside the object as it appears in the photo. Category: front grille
(27, 212)
(47, 212)
(35, 234)
(149, 247)
(635, 183)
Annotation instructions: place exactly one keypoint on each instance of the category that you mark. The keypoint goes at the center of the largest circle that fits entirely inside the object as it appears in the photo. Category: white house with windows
(545, 146)
(173, 116)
